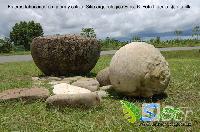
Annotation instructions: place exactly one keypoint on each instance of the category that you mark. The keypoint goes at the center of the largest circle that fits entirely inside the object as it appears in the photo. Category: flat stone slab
(82, 82)
(83, 99)
(24, 93)
(64, 88)
(57, 80)
(88, 83)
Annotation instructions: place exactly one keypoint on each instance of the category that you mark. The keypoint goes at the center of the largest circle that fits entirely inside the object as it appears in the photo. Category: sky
(107, 22)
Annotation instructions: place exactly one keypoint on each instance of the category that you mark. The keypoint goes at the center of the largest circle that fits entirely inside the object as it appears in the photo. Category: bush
(6, 45)
(110, 43)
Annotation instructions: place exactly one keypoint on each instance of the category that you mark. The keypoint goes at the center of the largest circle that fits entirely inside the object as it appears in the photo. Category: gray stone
(58, 82)
(50, 78)
(54, 79)
(105, 88)
(67, 80)
(35, 78)
(84, 99)
(102, 94)
(139, 69)
(88, 83)
(103, 77)
(72, 79)
(24, 93)
(54, 82)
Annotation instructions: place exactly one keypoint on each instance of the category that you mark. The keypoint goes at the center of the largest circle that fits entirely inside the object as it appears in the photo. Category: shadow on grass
(91, 74)
(153, 99)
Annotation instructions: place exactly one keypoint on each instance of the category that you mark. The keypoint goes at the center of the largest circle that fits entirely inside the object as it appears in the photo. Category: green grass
(175, 43)
(16, 53)
(114, 44)
(181, 54)
(184, 90)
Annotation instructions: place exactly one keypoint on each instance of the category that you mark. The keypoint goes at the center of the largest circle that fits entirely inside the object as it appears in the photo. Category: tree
(24, 32)
(196, 31)
(157, 40)
(88, 32)
(5, 45)
(178, 33)
(136, 39)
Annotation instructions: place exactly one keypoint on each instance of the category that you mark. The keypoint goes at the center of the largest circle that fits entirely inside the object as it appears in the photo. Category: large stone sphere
(65, 54)
(139, 69)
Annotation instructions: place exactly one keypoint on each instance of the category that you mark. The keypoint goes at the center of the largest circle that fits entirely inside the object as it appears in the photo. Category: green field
(112, 44)
(16, 53)
(183, 91)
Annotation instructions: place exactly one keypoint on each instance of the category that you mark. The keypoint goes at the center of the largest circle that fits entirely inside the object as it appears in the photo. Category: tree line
(23, 33)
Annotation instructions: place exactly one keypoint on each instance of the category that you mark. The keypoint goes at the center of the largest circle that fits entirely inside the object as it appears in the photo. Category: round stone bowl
(65, 54)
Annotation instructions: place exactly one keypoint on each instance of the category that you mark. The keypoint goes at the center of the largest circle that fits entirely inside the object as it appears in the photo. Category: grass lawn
(16, 53)
(183, 91)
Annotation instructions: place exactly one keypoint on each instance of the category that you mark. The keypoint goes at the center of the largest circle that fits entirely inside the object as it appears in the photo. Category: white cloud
(113, 23)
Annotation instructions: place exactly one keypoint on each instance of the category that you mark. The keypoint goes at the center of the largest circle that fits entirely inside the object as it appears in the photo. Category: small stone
(25, 94)
(49, 78)
(35, 78)
(65, 88)
(105, 88)
(54, 79)
(72, 79)
(58, 82)
(53, 83)
(83, 99)
(103, 77)
(88, 83)
(43, 79)
(102, 94)
(64, 81)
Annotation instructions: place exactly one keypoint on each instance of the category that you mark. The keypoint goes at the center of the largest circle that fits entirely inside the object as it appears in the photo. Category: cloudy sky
(107, 22)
